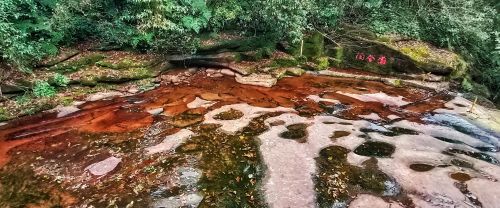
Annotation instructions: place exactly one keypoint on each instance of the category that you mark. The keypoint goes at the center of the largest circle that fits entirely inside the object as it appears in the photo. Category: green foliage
(60, 80)
(76, 65)
(323, 63)
(33, 29)
(43, 89)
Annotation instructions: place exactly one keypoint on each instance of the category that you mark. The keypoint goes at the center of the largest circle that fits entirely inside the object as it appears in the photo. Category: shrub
(60, 80)
(43, 89)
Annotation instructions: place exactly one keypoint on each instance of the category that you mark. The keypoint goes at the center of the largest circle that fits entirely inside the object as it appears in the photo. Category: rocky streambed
(209, 141)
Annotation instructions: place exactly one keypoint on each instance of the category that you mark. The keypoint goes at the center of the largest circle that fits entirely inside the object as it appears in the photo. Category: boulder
(395, 57)
(295, 71)
(263, 80)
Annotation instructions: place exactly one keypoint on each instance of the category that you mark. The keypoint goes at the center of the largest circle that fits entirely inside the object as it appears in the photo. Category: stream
(308, 141)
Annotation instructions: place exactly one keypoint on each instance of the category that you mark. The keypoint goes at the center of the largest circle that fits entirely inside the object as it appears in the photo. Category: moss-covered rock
(313, 46)
(80, 63)
(240, 44)
(295, 71)
(96, 75)
(432, 59)
(123, 64)
(393, 56)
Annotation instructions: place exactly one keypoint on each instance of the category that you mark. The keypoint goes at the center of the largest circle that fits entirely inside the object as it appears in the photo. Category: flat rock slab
(198, 102)
(66, 110)
(104, 167)
(263, 80)
(103, 95)
(170, 142)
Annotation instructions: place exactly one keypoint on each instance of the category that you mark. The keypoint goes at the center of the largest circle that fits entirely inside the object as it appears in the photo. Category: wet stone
(338, 182)
(295, 132)
(156, 111)
(452, 141)
(375, 149)
(103, 167)
(459, 176)
(461, 163)
(231, 114)
(401, 131)
(478, 155)
(419, 167)
(471, 198)
(187, 118)
(277, 123)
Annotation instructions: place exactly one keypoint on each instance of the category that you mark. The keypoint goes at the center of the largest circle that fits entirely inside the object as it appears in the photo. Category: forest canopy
(31, 30)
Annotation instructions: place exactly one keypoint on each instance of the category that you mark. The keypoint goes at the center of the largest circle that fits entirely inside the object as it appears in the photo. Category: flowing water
(309, 141)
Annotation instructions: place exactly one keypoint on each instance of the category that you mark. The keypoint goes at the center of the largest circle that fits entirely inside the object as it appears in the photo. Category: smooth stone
(227, 72)
(263, 80)
(133, 90)
(190, 200)
(170, 142)
(198, 102)
(66, 110)
(156, 111)
(104, 167)
(295, 71)
(3, 123)
(103, 95)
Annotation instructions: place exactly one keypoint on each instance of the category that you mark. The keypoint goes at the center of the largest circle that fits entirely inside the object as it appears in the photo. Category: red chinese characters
(380, 60)
(360, 56)
(370, 58)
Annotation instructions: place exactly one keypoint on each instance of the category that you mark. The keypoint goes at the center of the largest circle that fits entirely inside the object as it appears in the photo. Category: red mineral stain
(127, 114)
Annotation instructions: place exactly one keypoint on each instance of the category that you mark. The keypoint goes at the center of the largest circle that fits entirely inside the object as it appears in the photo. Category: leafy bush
(43, 89)
(60, 80)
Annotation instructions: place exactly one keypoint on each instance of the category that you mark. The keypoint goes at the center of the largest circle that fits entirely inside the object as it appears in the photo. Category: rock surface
(170, 142)
(262, 80)
(103, 95)
(104, 167)
(155, 111)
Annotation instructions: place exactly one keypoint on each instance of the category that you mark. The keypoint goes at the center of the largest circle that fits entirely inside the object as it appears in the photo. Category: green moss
(419, 53)
(3, 114)
(313, 47)
(322, 63)
(76, 65)
(397, 83)
(123, 64)
(255, 55)
(285, 63)
(241, 45)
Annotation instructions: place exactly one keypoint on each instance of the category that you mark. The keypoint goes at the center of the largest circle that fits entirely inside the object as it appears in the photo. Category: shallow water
(309, 141)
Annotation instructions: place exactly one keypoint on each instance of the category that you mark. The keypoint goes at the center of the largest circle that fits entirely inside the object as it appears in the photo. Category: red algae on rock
(60, 148)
